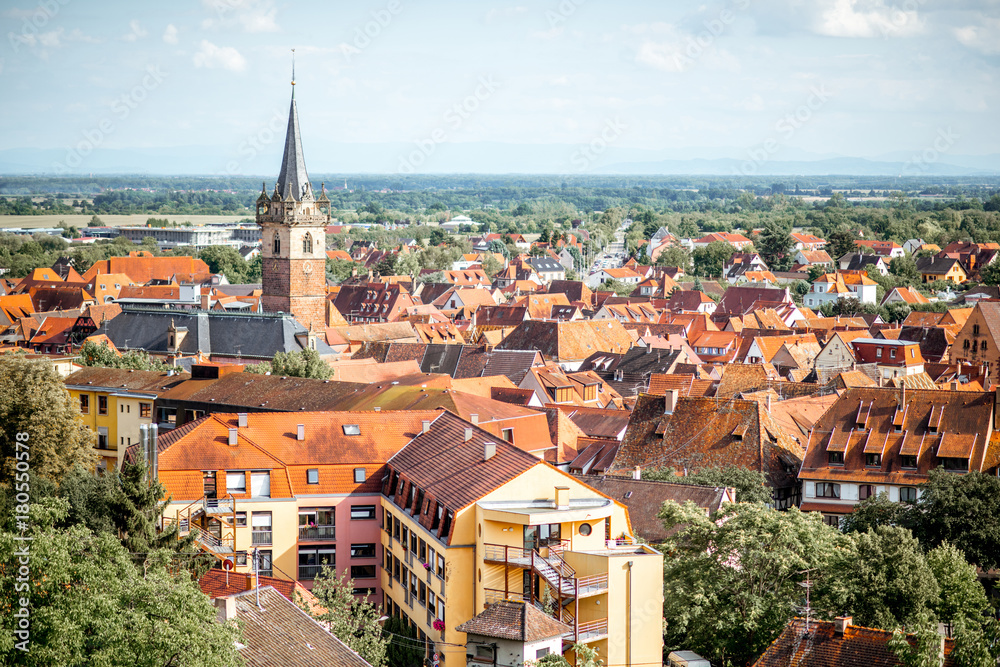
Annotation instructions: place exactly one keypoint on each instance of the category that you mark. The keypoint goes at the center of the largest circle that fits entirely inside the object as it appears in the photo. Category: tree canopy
(303, 364)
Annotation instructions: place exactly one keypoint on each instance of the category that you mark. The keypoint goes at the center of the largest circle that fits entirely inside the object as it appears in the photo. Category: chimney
(251, 581)
(489, 450)
(954, 386)
(232, 436)
(840, 624)
(670, 401)
(474, 418)
(378, 408)
(562, 497)
(227, 608)
(425, 425)
(637, 473)
(769, 402)
(300, 432)
(468, 434)
(242, 419)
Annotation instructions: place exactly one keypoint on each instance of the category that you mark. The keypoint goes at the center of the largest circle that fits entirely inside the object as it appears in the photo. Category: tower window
(307, 244)
(277, 244)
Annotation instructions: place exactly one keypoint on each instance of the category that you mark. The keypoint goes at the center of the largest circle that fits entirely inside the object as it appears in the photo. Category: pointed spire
(293, 180)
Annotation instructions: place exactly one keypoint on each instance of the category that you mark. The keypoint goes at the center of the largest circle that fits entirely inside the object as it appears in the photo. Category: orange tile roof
(144, 268)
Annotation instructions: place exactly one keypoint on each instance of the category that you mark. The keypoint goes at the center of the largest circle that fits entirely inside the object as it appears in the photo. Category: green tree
(95, 222)
(499, 247)
(905, 269)
(708, 261)
(402, 650)
(675, 255)
(960, 593)
(586, 656)
(302, 364)
(616, 286)
(227, 261)
(91, 604)
(350, 619)
(990, 274)
(927, 651)
(437, 237)
(339, 270)
(773, 244)
(731, 581)
(963, 510)
(34, 401)
(884, 580)
(877, 511)
(751, 485)
(92, 354)
(387, 265)
(841, 241)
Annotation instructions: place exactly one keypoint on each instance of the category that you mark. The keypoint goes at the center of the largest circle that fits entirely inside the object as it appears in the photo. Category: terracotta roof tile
(515, 621)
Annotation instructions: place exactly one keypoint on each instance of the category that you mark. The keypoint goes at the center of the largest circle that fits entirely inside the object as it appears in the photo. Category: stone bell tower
(293, 234)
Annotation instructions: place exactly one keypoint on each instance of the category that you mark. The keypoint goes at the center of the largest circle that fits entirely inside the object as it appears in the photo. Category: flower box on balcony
(438, 625)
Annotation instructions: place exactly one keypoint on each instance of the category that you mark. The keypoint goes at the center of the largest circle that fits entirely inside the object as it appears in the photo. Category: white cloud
(170, 34)
(982, 38)
(667, 56)
(249, 15)
(223, 57)
(136, 31)
(866, 18)
(753, 103)
(504, 12)
(560, 81)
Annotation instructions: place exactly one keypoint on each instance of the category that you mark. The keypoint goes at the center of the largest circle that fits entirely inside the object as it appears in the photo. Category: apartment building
(470, 522)
(115, 403)
(302, 488)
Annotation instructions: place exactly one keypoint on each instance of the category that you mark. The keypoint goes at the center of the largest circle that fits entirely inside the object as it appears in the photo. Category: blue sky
(792, 78)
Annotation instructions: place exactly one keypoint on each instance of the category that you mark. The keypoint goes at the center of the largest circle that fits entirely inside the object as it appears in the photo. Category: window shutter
(810, 489)
(849, 492)
(260, 484)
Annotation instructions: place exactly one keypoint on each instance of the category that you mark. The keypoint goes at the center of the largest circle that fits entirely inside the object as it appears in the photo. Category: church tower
(293, 236)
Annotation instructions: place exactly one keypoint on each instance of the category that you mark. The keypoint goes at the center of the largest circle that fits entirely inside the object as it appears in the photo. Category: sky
(398, 86)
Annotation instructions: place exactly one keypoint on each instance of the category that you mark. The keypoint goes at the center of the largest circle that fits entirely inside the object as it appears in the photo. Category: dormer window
(835, 458)
(873, 460)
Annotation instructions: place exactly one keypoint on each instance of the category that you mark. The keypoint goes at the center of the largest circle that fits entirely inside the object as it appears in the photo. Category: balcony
(307, 572)
(260, 537)
(317, 533)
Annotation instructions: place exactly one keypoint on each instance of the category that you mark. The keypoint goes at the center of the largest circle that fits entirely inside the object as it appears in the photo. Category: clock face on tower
(307, 267)
(274, 265)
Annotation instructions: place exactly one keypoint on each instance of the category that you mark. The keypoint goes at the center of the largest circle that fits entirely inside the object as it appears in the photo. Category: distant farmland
(80, 221)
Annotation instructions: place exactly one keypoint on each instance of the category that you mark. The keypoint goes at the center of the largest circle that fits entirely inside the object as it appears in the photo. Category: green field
(80, 221)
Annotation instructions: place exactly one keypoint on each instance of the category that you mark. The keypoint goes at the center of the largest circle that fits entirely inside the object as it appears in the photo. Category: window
(359, 512)
(484, 653)
(359, 475)
(908, 461)
(422, 595)
(102, 405)
(585, 529)
(395, 568)
(413, 583)
(541, 653)
(241, 558)
(866, 491)
(831, 520)
(264, 567)
(878, 353)
(145, 410)
(873, 460)
(260, 528)
(507, 434)
(363, 550)
(364, 591)
(835, 458)
(352, 429)
(208, 483)
(312, 476)
(975, 329)
(956, 465)
(307, 244)
(277, 244)
(312, 560)
(965, 344)
(317, 523)
(84, 404)
(260, 484)
(422, 551)
(236, 482)
(827, 490)
(102, 437)
(440, 567)
(362, 572)
(395, 527)
(241, 518)
(907, 494)
(892, 353)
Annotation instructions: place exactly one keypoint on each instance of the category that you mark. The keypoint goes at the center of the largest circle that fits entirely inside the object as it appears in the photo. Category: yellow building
(469, 521)
(114, 403)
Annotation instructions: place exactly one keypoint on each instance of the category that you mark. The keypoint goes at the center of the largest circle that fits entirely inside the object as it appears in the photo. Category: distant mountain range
(486, 158)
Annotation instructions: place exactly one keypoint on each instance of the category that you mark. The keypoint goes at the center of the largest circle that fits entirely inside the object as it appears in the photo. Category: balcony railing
(311, 571)
(317, 532)
(260, 537)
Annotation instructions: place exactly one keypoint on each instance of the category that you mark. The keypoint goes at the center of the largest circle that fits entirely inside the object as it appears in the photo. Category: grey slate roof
(545, 264)
(252, 335)
(292, 179)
